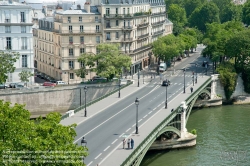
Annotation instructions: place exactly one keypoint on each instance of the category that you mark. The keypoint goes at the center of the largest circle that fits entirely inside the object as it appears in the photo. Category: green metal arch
(169, 128)
(194, 100)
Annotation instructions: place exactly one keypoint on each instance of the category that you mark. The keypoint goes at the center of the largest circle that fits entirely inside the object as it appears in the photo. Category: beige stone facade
(61, 39)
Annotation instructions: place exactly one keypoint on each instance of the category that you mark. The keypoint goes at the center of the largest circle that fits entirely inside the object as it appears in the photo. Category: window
(71, 39)
(116, 22)
(97, 39)
(96, 19)
(23, 29)
(108, 24)
(107, 11)
(82, 50)
(24, 43)
(7, 29)
(117, 35)
(82, 39)
(80, 19)
(116, 10)
(71, 52)
(8, 43)
(81, 28)
(24, 61)
(7, 16)
(71, 64)
(22, 17)
(128, 10)
(123, 10)
(108, 36)
(70, 28)
(97, 28)
(71, 76)
(81, 64)
(69, 19)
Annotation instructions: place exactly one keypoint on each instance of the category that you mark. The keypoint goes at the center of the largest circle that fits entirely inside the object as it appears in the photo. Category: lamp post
(184, 71)
(196, 73)
(85, 90)
(136, 103)
(119, 93)
(193, 78)
(166, 103)
(138, 68)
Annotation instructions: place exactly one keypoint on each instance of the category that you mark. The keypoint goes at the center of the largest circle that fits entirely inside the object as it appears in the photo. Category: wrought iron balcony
(158, 32)
(127, 27)
(142, 48)
(141, 14)
(117, 16)
(143, 25)
(128, 39)
(158, 13)
(158, 22)
(143, 36)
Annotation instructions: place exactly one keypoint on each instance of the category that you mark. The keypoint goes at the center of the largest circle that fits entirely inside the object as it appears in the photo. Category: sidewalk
(103, 104)
(119, 155)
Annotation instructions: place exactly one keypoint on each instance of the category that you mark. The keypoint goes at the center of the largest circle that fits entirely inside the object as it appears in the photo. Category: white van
(60, 83)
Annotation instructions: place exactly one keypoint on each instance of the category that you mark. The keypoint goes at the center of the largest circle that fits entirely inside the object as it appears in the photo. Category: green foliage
(228, 78)
(170, 2)
(20, 134)
(246, 13)
(177, 15)
(231, 12)
(86, 59)
(207, 13)
(246, 79)
(191, 5)
(194, 132)
(7, 60)
(25, 75)
(110, 61)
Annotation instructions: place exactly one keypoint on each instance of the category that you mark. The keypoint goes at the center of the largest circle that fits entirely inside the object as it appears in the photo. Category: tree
(207, 13)
(246, 13)
(36, 139)
(177, 15)
(170, 2)
(25, 75)
(191, 5)
(110, 60)
(231, 12)
(7, 60)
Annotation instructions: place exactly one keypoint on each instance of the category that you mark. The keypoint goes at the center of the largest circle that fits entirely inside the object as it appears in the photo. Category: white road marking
(121, 135)
(128, 130)
(145, 116)
(90, 163)
(98, 156)
(140, 120)
(150, 112)
(114, 141)
(106, 148)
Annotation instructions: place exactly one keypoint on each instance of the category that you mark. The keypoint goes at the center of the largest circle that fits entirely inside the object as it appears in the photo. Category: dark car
(12, 85)
(165, 83)
(205, 63)
(98, 79)
(2, 86)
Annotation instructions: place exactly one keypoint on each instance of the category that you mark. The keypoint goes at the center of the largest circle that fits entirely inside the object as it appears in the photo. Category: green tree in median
(7, 60)
(25, 75)
(36, 139)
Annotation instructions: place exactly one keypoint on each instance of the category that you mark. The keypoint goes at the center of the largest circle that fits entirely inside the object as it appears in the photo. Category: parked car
(19, 86)
(98, 78)
(2, 86)
(165, 83)
(49, 84)
(60, 83)
(12, 85)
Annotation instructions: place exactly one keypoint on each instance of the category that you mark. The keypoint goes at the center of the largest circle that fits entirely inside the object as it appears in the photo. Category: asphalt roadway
(105, 128)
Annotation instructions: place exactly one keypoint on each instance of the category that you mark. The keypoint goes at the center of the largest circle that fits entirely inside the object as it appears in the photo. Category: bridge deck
(119, 155)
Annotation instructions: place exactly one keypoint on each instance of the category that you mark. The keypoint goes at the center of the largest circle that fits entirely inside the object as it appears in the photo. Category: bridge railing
(96, 100)
(155, 131)
(190, 98)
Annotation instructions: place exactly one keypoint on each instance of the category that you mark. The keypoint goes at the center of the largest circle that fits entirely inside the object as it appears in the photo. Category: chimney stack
(87, 7)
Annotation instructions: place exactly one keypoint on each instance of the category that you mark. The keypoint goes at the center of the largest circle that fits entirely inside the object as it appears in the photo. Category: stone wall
(60, 100)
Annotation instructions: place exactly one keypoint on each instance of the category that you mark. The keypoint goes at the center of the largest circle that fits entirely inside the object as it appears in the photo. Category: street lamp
(166, 103)
(184, 71)
(136, 103)
(193, 78)
(119, 93)
(85, 90)
(138, 68)
(196, 73)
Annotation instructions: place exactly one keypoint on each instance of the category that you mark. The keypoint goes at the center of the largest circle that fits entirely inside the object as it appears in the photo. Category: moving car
(165, 83)
(49, 84)
(163, 67)
(60, 83)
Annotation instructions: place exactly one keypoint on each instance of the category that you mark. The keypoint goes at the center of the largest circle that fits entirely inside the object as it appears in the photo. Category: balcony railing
(98, 21)
(142, 48)
(70, 42)
(108, 26)
(8, 31)
(24, 47)
(158, 22)
(58, 20)
(130, 39)
(127, 27)
(108, 38)
(142, 25)
(7, 20)
(141, 14)
(143, 36)
(158, 13)
(118, 15)
(22, 20)
(158, 32)
(77, 31)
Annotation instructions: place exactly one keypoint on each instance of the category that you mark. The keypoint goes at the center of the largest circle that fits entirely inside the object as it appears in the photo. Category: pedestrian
(132, 143)
(191, 89)
(124, 142)
(128, 142)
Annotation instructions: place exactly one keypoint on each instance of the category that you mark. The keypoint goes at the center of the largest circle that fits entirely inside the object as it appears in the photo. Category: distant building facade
(16, 35)
(134, 25)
